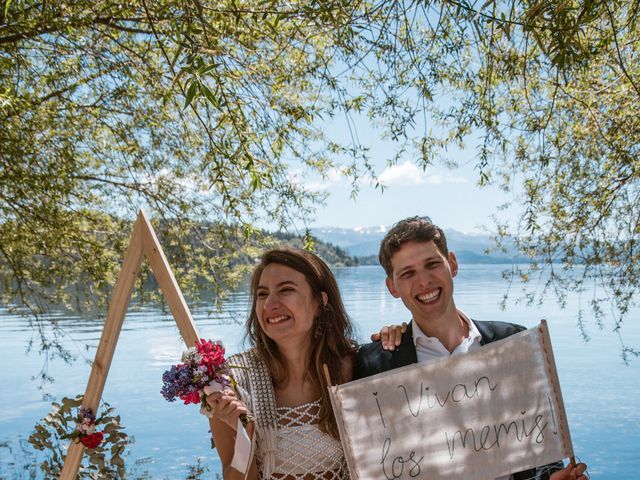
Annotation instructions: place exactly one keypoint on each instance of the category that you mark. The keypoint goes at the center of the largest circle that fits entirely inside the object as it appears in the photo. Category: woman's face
(285, 306)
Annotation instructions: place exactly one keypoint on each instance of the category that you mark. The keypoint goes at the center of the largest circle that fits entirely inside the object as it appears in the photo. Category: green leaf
(209, 95)
(191, 92)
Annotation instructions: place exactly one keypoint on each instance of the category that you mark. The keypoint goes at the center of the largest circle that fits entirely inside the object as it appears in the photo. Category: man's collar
(474, 333)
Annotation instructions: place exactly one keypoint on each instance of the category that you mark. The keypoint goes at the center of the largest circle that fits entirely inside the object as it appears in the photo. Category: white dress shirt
(430, 348)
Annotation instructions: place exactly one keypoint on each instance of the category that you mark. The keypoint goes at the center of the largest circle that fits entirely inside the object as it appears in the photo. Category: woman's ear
(325, 298)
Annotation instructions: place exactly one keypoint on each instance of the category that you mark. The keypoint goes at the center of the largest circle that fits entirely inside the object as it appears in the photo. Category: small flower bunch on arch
(85, 431)
(103, 437)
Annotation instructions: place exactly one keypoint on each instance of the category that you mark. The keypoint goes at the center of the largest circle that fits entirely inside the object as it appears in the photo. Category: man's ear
(392, 287)
(453, 263)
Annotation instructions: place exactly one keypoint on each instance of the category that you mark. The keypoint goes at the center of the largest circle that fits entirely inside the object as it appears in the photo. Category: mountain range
(364, 242)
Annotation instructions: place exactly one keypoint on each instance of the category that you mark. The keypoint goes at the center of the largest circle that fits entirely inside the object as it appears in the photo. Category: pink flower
(204, 346)
(87, 427)
(93, 440)
(191, 397)
(212, 354)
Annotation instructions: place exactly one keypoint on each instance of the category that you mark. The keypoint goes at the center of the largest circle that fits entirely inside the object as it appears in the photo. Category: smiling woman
(285, 305)
(296, 324)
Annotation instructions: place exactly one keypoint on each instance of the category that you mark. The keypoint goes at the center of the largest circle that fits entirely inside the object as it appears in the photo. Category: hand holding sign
(571, 472)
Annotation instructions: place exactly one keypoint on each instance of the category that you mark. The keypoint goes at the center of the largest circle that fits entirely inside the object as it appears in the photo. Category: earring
(321, 320)
(318, 327)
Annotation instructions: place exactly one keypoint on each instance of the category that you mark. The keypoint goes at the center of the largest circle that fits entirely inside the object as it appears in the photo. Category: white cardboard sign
(480, 415)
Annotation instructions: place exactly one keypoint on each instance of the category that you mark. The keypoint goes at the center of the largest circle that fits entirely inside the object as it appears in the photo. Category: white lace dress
(305, 452)
(290, 446)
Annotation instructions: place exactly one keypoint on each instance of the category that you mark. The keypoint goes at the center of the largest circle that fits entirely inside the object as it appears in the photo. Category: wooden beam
(167, 282)
(143, 242)
(169, 286)
(108, 340)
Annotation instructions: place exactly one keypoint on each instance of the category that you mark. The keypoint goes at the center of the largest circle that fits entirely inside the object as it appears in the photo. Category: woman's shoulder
(242, 367)
(248, 367)
(244, 362)
(242, 355)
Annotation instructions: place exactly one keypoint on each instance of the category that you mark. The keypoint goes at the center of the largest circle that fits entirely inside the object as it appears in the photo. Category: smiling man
(420, 271)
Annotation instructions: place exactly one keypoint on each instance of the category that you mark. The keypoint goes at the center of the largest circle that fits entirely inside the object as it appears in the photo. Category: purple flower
(223, 380)
(87, 415)
(177, 381)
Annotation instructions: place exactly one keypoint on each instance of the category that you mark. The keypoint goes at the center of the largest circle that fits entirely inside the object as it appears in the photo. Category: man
(420, 271)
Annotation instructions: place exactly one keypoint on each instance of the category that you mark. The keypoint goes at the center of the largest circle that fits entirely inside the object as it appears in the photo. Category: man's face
(423, 278)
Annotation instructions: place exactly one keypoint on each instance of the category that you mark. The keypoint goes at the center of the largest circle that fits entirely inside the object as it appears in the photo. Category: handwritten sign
(480, 415)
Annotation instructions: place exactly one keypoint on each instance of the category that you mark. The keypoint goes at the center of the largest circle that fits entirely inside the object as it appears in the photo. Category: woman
(297, 323)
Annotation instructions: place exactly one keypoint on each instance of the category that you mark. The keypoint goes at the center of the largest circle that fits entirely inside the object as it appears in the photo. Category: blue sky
(451, 197)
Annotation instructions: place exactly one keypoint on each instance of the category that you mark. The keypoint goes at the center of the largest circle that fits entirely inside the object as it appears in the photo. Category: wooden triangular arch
(143, 243)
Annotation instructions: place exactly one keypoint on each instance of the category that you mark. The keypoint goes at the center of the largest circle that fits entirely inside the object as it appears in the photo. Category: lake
(600, 392)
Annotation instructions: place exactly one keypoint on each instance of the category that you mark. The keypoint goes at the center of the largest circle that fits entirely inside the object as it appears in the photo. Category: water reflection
(597, 388)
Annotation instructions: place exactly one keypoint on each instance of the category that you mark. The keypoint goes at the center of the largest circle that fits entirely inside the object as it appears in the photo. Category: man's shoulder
(492, 330)
(371, 359)
(373, 348)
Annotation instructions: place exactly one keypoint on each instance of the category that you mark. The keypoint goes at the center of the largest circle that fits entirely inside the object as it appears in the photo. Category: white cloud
(404, 174)
(334, 177)
(408, 173)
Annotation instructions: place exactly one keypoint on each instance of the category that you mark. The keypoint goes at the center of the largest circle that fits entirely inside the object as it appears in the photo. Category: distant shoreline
(463, 257)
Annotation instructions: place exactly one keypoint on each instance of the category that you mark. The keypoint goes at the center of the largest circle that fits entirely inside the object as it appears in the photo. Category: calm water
(600, 392)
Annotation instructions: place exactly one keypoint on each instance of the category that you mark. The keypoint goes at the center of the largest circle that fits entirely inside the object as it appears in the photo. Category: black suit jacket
(372, 359)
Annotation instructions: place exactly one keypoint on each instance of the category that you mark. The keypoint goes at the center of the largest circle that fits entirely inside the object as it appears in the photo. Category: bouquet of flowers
(203, 370)
(85, 431)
